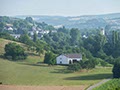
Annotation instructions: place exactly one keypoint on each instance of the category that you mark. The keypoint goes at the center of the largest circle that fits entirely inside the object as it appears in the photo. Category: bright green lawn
(22, 73)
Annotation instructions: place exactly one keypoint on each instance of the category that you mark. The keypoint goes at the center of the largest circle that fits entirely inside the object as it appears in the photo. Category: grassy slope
(3, 42)
(28, 72)
(31, 58)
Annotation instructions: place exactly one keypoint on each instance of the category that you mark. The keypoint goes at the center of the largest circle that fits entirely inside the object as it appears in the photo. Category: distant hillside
(81, 22)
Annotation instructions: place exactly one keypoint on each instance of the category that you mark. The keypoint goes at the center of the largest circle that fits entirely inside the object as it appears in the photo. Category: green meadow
(23, 73)
(33, 71)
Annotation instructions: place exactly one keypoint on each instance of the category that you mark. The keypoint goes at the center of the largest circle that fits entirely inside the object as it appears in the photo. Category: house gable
(62, 59)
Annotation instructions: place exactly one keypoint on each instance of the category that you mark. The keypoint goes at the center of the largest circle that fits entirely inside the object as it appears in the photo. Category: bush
(103, 63)
(116, 69)
(14, 52)
(110, 60)
(50, 58)
(74, 67)
(89, 64)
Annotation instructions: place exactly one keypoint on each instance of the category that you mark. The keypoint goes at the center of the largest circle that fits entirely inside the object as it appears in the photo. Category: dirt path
(98, 84)
(12, 87)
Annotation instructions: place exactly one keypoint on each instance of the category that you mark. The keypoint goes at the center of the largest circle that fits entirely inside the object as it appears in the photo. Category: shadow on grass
(91, 77)
(61, 71)
(40, 64)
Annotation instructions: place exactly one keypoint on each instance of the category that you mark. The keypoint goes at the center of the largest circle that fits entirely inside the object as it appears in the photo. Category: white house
(68, 58)
(15, 35)
(10, 29)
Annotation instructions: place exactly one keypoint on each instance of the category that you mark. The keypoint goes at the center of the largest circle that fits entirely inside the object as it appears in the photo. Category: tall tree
(34, 37)
(50, 58)
(115, 38)
(116, 69)
(75, 36)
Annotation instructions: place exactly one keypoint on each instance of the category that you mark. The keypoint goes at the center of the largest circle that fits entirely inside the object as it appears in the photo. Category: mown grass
(113, 84)
(24, 73)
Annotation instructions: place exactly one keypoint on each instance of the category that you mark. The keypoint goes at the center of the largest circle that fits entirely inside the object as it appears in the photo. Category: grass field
(33, 72)
(22, 73)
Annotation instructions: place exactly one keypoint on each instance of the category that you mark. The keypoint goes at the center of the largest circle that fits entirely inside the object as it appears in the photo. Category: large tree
(112, 47)
(26, 39)
(75, 36)
(95, 43)
(116, 68)
(14, 51)
(50, 58)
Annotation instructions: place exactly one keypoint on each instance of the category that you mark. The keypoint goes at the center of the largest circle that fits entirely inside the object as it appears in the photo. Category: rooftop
(76, 55)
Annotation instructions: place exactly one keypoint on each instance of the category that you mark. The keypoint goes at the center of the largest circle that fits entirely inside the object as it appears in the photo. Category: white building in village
(68, 58)
(15, 35)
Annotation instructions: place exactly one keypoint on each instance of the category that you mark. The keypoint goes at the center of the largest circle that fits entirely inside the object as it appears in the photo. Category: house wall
(62, 60)
(78, 59)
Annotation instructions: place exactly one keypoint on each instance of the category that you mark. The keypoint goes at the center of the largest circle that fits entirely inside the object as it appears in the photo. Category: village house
(9, 27)
(68, 58)
(15, 35)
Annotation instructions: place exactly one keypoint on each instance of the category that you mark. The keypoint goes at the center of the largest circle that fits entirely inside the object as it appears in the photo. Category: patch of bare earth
(12, 87)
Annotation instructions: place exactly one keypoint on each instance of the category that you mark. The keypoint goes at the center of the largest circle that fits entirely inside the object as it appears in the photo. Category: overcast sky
(58, 7)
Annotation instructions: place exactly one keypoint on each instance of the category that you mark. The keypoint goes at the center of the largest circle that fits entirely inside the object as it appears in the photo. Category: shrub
(74, 67)
(89, 64)
(110, 60)
(103, 63)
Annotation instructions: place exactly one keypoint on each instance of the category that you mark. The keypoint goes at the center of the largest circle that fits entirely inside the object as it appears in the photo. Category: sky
(58, 7)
